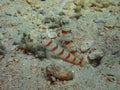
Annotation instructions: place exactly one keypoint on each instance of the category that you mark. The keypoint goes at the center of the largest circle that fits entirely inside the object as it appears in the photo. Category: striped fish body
(61, 52)
(67, 37)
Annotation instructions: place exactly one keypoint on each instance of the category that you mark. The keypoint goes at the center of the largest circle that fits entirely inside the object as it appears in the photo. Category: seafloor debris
(27, 44)
(77, 5)
(91, 3)
(53, 22)
(2, 50)
(110, 78)
(95, 57)
(12, 61)
(34, 3)
(54, 72)
(1, 83)
(111, 25)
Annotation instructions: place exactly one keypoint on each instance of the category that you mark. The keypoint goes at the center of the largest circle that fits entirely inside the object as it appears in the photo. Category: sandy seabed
(95, 25)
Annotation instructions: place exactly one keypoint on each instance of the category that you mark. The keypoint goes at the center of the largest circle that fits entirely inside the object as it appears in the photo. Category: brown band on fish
(49, 43)
(68, 42)
(61, 52)
(68, 56)
(55, 48)
(73, 51)
(74, 60)
(65, 32)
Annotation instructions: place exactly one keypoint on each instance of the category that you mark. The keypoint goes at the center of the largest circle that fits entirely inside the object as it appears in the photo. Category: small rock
(37, 6)
(59, 72)
(30, 1)
(43, 0)
(34, 3)
(2, 49)
(1, 82)
(86, 46)
(106, 4)
(1, 5)
(69, 5)
(95, 57)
